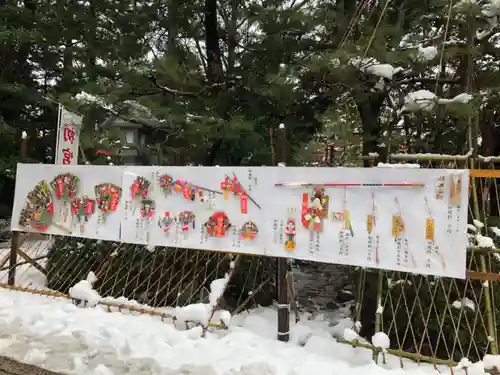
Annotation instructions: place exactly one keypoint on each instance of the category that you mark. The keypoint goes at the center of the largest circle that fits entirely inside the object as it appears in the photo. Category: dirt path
(9, 366)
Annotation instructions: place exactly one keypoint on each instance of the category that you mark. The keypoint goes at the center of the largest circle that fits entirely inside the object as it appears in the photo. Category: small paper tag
(347, 219)
(338, 216)
(440, 188)
(244, 203)
(429, 229)
(369, 223)
(396, 225)
(455, 189)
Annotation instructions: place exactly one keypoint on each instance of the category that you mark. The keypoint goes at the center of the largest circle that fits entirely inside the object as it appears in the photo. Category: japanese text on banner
(68, 131)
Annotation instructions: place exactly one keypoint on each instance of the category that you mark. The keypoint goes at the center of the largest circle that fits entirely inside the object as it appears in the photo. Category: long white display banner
(400, 219)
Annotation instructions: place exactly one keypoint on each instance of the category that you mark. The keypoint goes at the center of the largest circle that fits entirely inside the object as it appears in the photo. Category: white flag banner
(68, 135)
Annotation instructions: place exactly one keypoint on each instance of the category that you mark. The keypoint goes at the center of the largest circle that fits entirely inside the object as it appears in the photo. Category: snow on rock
(491, 361)
(485, 242)
(427, 53)
(381, 340)
(84, 291)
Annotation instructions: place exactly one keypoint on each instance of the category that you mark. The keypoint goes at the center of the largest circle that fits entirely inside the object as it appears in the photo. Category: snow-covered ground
(60, 336)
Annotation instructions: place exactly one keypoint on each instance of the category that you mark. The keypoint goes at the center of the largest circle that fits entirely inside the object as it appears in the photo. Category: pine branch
(168, 90)
(450, 81)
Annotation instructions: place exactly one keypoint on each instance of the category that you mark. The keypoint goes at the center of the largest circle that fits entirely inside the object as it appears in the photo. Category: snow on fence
(433, 319)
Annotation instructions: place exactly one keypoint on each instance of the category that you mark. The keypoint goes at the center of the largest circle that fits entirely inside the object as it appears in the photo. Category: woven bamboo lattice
(440, 320)
(160, 277)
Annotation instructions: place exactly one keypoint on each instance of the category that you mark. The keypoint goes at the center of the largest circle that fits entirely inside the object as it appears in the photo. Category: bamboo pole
(281, 262)
(15, 241)
(108, 304)
(472, 141)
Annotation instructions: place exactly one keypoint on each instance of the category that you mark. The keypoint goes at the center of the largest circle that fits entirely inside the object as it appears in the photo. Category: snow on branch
(426, 101)
(86, 98)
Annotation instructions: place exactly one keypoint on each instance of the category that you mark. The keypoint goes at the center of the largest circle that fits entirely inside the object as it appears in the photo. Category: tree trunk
(369, 107)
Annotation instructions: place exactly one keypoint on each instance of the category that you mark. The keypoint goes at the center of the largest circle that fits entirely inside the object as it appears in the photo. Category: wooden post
(282, 263)
(14, 244)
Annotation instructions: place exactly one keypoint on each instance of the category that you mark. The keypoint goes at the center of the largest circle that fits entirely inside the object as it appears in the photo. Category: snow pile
(197, 313)
(350, 335)
(478, 224)
(491, 361)
(202, 313)
(485, 242)
(471, 228)
(495, 231)
(464, 303)
(217, 288)
(56, 334)
(84, 291)
(381, 340)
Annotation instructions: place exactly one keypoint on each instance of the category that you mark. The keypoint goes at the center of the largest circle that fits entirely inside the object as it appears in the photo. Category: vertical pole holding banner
(282, 263)
(59, 112)
(14, 244)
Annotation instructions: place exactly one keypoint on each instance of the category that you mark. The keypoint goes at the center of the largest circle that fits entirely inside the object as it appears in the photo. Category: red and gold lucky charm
(83, 209)
(249, 231)
(189, 191)
(38, 211)
(290, 232)
(166, 221)
(107, 197)
(312, 217)
(65, 186)
(166, 184)
(234, 186)
(186, 220)
(147, 208)
(140, 188)
(218, 224)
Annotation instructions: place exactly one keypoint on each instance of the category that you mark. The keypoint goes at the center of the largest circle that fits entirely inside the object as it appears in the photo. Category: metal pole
(282, 263)
(14, 245)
